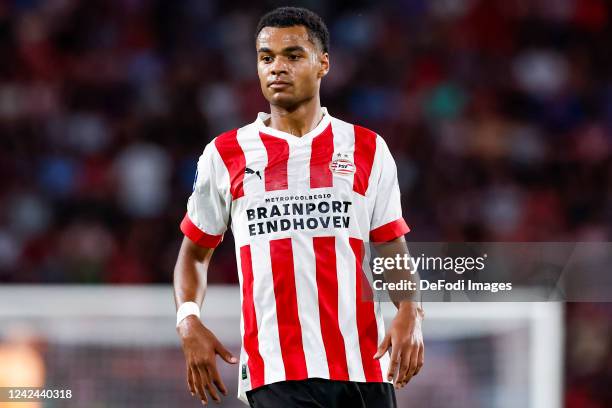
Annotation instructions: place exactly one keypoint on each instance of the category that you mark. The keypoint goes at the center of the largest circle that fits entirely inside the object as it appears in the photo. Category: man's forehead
(282, 37)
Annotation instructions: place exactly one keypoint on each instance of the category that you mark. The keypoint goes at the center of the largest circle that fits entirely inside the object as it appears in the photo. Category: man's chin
(283, 101)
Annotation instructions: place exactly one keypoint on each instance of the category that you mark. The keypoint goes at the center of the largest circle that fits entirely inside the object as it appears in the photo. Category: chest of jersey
(282, 185)
(273, 166)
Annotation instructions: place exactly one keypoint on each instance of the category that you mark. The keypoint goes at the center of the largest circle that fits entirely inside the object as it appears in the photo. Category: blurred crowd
(498, 113)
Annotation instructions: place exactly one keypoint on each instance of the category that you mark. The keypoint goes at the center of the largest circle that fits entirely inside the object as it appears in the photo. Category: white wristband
(186, 309)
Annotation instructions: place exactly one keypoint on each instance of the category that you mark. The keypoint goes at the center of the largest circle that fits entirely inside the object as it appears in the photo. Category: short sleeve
(387, 222)
(208, 207)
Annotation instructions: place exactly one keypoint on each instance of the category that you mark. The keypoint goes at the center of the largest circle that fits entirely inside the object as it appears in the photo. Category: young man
(305, 191)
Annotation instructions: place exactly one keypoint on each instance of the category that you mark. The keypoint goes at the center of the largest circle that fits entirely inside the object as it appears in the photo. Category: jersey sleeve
(387, 222)
(208, 207)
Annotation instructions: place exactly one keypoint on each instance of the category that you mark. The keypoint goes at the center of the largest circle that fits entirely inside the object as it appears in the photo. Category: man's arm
(405, 336)
(200, 345)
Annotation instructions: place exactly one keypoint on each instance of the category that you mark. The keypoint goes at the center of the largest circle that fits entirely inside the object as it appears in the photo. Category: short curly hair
(296, 16)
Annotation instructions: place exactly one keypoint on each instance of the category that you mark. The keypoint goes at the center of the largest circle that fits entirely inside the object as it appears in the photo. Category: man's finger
(225, 353)
(199, 383)
(421, 359)
(190, 381)
(205, 380)
(213, 373)
(383, 347)
(211, 390)
(412, 367)
(395, 355)
(404, 364)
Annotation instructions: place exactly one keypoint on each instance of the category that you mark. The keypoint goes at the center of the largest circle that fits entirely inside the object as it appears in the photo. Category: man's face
(289, 65)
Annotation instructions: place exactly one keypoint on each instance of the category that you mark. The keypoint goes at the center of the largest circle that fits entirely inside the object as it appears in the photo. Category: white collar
(260, 123)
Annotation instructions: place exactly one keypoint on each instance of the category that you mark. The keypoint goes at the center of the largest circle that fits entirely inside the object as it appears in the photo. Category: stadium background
(498, 113)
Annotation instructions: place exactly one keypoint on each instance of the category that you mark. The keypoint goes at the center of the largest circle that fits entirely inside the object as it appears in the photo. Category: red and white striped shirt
(301, 209)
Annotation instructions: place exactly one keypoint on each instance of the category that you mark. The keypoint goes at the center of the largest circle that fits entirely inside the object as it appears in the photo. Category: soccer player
(305, 191)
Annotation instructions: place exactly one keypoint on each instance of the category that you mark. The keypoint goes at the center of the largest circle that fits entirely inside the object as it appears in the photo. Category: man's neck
(296, 122)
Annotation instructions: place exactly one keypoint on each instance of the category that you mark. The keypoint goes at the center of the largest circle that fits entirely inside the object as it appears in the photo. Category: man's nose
(278, 67)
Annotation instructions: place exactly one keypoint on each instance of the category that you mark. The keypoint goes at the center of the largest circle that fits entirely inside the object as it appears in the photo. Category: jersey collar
(317, 130)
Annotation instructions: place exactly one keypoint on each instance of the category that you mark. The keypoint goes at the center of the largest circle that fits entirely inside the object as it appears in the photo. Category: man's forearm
(406, 298)
(190, 273)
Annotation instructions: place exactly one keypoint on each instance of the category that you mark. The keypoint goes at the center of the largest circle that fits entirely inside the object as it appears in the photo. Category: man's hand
(200, 347)
(406, 341)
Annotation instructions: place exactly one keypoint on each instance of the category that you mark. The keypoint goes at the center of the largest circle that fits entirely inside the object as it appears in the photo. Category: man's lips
(278, 84)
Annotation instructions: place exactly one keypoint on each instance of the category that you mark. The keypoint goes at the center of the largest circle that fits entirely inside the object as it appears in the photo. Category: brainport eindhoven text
(299, 216)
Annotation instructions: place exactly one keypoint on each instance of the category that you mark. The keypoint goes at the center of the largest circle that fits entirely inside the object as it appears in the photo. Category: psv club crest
(341, 164)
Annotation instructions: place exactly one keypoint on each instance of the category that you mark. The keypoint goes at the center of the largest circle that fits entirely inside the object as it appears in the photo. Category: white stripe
(255, 157)
(243, 385)
(240, 283)
(344, 141)
(298, 167)
(345, 261)
(380, 323)
(308, 307)
(265, 308)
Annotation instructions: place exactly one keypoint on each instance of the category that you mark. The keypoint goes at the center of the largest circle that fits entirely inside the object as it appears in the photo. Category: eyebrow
(284, 50)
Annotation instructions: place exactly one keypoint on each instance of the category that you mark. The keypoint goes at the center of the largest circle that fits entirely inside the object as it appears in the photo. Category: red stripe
(228, 147)
(320, 158)
(289, 328)
(327, 286)
(365, 147)
(389, 231)
(250, 341)
(366, 319)
(198, 236)
(278, 156)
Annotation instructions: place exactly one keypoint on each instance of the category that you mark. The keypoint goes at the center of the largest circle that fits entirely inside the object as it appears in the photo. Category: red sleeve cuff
(198, 236)
(389, 231)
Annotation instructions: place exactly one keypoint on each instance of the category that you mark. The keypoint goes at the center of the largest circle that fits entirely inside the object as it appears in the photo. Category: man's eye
(294, 57)
(266, 58)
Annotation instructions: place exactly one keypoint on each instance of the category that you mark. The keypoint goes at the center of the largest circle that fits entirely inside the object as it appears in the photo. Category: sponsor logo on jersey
(251, 171)
(299, 215)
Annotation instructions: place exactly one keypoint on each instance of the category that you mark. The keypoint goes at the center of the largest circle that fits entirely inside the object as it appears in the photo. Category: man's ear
(324, 62)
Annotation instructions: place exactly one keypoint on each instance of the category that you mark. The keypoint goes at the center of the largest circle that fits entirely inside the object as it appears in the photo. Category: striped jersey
(301, 210)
